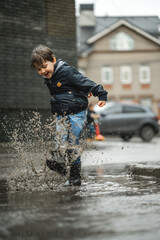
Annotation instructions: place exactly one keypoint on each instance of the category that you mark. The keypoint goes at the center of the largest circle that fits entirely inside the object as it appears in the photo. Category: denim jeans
(71, 128)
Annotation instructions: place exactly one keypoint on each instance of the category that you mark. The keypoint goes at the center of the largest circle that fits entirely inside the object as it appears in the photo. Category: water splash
(32, 142)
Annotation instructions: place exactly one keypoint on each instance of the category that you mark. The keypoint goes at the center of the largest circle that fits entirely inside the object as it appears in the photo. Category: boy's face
(46, 69)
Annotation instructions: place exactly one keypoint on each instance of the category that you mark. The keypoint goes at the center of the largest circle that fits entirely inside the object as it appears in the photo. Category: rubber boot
(59, 167)
(75, 176)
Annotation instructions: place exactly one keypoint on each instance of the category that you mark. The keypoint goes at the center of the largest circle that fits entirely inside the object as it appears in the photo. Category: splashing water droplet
(33, 142)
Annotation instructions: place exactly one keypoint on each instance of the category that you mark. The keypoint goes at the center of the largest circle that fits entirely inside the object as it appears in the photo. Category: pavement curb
(144, 170)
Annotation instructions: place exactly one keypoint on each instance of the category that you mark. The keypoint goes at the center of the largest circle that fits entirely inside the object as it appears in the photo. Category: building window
(146, 101)
(126, 75)
(107, 75)
(144, 74)
(127, 99)
(122, 42)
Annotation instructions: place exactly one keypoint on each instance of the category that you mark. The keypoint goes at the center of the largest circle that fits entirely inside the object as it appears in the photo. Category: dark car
(128, 120)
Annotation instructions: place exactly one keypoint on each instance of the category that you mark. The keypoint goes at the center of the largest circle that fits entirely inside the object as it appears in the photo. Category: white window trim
(148, 79)
(147, 101)
(103, 74)
(122, 70)
(122, 42)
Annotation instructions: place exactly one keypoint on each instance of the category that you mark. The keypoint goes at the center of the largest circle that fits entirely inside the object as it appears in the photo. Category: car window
(114, 110)
(132, 109)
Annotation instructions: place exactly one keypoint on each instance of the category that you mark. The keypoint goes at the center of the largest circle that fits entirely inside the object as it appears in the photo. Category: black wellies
(75, 169)
(75, 175)
(58, 167)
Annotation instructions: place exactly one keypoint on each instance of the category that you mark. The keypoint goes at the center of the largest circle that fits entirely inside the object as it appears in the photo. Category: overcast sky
(124, 7)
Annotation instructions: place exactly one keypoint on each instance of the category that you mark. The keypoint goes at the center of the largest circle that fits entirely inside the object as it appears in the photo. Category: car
(127, 119)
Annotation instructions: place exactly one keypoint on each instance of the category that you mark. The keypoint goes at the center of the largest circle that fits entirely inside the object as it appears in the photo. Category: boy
(69, 91)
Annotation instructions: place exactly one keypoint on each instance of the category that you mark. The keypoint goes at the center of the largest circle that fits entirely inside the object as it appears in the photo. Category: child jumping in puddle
(69, 91)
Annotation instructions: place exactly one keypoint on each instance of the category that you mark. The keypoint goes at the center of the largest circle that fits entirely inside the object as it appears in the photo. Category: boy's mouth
(46, 74)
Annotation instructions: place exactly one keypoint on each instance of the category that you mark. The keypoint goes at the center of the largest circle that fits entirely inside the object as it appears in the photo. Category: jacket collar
(57, 65)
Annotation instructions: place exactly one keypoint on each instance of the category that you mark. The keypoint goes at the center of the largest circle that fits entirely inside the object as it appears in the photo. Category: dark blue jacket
(69, 89)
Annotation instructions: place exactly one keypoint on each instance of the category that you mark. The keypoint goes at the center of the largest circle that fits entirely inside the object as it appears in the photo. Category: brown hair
(40, 54)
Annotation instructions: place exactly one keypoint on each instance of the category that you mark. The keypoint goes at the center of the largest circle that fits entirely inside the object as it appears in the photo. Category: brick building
(25, 24)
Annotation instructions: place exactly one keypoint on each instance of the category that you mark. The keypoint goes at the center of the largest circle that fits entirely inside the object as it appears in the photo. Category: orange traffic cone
(99, 136)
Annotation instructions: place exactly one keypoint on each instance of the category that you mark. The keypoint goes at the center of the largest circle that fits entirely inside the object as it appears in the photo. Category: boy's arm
(82, 83)
(100, 103)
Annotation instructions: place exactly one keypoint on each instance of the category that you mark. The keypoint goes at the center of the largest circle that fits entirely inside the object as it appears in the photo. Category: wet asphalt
(110, 204)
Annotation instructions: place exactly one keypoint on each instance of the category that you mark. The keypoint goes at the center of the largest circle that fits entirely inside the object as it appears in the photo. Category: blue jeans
(71, 129)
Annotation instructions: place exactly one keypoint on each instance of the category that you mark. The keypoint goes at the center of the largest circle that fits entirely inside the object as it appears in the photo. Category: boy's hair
(40, 54)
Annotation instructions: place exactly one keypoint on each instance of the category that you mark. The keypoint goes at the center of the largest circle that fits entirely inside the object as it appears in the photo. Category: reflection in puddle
(109, 204)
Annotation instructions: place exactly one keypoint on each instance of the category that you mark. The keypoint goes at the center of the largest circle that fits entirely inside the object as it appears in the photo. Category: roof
(148, 25)
(118, 24)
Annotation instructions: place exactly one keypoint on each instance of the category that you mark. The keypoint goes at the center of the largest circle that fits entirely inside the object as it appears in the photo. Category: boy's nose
(42, 70)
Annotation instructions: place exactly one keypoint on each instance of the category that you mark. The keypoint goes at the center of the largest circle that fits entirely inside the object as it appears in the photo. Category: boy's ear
(54, 60)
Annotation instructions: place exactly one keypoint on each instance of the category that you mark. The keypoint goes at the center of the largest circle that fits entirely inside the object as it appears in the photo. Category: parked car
(127, 120)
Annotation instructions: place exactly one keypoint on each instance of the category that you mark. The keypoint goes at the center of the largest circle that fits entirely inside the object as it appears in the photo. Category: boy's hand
(101, 103)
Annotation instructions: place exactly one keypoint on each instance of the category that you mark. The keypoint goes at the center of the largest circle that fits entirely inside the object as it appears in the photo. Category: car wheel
(126, 137)
(147, 133)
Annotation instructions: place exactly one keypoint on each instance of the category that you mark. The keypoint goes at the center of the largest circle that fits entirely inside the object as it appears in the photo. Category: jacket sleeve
(84, 84)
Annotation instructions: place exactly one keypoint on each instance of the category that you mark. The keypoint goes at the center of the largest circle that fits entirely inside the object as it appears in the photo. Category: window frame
(109, 70)
(123, 80)
(146, 101)
(122, 41)
(148, 74)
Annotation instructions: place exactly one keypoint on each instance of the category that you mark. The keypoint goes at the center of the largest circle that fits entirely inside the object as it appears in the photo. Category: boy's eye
(38, 69)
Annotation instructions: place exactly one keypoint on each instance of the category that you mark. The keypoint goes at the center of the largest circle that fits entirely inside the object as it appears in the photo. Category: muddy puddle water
(31, 143)
(110, 204)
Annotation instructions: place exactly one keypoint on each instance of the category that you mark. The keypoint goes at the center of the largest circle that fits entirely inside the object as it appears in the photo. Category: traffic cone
(99, 136)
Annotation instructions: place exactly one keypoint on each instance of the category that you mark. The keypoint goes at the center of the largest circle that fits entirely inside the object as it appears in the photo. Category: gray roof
(149, 24)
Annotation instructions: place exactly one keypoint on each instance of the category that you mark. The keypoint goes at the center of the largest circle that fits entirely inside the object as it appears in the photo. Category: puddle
(34, 204)
(31, 144)
(110, 205)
